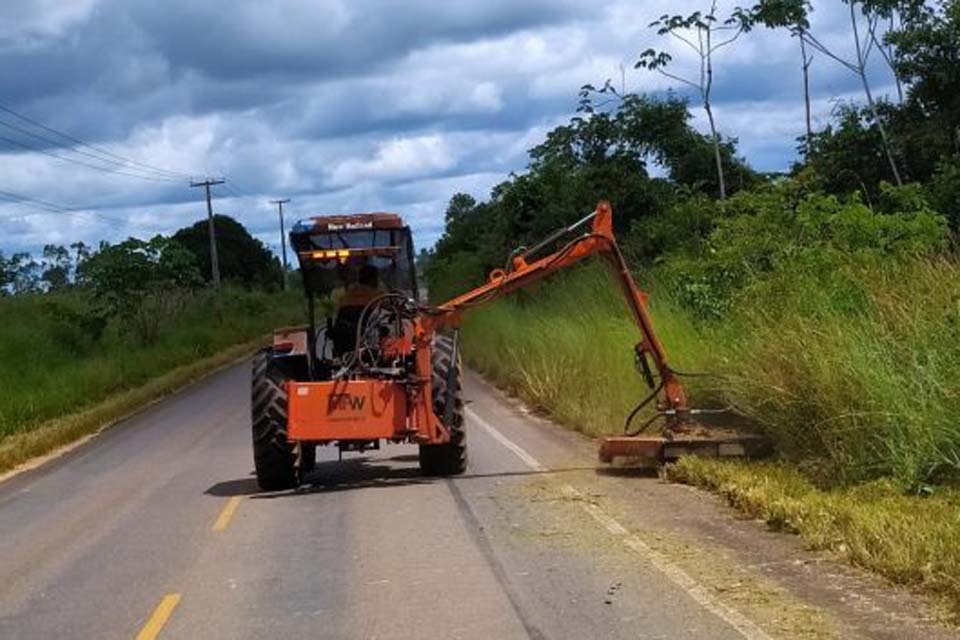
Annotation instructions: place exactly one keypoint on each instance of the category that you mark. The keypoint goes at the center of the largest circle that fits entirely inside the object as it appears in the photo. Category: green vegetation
(848, 367)
(26, 445)
(873, 525)
(834, 330)
(50, 365)
(91, 334)
(243, 258)
(822, 304)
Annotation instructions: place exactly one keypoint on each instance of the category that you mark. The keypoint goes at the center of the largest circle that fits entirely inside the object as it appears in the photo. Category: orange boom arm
(600, 241)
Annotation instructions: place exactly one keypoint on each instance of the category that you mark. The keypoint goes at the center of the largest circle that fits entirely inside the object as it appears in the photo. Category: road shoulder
(743, 561)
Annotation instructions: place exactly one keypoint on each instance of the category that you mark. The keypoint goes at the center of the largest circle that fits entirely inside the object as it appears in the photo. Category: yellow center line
(228, 510)
(161, 614)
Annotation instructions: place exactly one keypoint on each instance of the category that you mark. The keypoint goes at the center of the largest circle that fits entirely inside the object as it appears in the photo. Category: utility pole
(214, 260)
(283, 241)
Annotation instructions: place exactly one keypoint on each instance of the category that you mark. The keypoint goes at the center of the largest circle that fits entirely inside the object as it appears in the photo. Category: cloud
(27, 23)
(398, 158)
(341, 105)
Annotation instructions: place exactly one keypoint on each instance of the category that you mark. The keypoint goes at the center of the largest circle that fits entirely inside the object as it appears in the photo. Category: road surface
(157, 528)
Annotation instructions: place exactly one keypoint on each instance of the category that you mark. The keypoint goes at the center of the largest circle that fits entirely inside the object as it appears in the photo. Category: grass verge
(51, 366)
(21, 447)
(910, 540)
(64, 373)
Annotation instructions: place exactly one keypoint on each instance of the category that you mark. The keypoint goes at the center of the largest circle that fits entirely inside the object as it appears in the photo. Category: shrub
(944, 190)
(143, 283)
(785, 228)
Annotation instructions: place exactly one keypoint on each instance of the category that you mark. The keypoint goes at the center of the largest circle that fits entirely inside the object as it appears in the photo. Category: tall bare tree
(872, 12)
(704, 34)
(888, 16)
(793, 15)
(863, 51)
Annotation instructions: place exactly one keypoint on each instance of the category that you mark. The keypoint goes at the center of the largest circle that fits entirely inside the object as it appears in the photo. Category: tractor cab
(346, 261)
(333, 249)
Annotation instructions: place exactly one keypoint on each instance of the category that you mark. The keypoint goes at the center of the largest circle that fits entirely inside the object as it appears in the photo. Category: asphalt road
(157, 528)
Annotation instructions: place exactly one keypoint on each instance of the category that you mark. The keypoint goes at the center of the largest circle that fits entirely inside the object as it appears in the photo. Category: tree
(5, 276)
(81, 253)
(641, 129)
(847, 154)
(792, 15)
(927, 57)
(57, 267)
(925, 126)
(23, 273)
(142, 283)
(704, 35)
(860, 69)
(602, 152)
(242, 257)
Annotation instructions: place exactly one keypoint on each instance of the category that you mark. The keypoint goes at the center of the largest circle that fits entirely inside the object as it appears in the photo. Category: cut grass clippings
(910, 540)
(21, 447)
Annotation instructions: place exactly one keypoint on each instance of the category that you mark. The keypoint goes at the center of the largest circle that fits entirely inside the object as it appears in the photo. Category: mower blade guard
(653, 450)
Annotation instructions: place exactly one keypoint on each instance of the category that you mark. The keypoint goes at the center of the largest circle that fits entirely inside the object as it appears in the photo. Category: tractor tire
(450, 458)
(275, 459)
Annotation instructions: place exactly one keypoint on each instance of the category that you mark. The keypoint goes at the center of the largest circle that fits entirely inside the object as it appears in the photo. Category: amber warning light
(343, 254)
(330, 254)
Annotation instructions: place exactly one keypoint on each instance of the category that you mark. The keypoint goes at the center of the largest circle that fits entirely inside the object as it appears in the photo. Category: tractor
(384, 366)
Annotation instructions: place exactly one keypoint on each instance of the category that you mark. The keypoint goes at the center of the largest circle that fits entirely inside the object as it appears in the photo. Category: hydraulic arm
(525, 269)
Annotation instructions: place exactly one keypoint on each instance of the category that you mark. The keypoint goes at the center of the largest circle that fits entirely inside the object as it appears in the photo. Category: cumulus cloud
(397, 158)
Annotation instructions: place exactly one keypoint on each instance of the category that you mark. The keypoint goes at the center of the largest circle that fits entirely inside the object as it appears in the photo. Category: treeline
(244, 260)
(139, 284)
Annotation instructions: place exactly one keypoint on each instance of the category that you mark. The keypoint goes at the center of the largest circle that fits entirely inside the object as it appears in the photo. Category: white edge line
(674, 573)
(517, 450)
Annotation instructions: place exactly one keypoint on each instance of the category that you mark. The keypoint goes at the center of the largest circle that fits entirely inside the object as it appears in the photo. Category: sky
(339, 105)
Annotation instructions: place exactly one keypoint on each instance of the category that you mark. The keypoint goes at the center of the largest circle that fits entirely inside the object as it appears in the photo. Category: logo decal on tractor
(346, 402)
(349, 225)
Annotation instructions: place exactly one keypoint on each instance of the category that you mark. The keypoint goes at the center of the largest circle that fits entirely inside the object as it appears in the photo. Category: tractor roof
(349, 222)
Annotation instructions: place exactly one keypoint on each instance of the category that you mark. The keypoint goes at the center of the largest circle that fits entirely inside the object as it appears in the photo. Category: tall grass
(48, 368)
(567, 349)
(855, 374)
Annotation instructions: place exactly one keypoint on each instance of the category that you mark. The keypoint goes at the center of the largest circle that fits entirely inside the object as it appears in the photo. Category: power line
(16, 197)
(46, 208)
(80, 142)
(99, 158)
(237, 193)
(46, 152)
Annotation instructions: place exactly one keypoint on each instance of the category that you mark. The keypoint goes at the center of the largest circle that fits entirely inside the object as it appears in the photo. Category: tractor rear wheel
(450, 458)
(275, 458)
